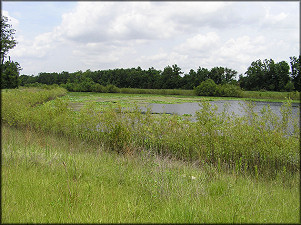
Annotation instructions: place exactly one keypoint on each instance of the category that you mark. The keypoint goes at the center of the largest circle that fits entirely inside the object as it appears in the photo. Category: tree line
(260, 75)
(271, 76)
(169, 78)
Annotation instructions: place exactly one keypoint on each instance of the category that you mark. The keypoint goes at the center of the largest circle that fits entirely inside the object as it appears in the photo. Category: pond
(234, 106)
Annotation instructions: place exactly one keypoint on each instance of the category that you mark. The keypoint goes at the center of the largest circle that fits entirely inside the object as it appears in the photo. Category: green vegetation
(248, 141)
(9, 70)
(271, 95)
(209, 88)
(271, 76)
(106, 163)
(268, 76)
(54, 179)
(186, 95)
(157, 91)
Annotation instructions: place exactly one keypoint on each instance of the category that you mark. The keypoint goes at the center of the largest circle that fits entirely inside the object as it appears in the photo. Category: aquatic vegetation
(255, 144)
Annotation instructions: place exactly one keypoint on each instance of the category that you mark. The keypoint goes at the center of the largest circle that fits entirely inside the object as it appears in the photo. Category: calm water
(234, 106)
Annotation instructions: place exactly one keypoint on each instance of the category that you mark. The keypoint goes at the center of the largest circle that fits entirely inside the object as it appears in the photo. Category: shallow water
(235, 106)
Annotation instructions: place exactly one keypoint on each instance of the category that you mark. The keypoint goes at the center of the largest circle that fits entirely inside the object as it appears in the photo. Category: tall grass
(17, 104)
(53, 179)
(294, 95)
(262, 145)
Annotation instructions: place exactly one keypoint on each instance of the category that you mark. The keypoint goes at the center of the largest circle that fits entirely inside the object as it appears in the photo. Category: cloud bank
(108, 35)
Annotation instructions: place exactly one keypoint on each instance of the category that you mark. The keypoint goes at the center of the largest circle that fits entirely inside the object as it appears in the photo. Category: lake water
(234, 106)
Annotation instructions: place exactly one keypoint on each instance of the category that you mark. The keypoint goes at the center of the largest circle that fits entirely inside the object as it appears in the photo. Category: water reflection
(234, 106)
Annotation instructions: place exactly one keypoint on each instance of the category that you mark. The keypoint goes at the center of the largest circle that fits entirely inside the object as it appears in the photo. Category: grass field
(111, 165)
(51, 179)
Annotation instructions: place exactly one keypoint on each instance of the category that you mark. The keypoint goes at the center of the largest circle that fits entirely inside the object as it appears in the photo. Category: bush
(209, 88)
(228, 90)
(99, 88)
(206, 88)
(112, 89)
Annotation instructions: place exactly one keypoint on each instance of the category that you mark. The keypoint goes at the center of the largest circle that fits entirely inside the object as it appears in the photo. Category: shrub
(99, 88)
(112, 89)
(206, 88)
(228, 90)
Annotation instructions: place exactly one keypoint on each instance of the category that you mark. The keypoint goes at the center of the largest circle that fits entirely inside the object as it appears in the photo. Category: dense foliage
(271, 76)
(10, 74)
(209, 88)
(169, 78)
(266, 75)
(206, 88)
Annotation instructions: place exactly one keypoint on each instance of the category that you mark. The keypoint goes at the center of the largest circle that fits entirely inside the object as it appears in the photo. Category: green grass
(272, 95)
(106, 163)
(246, 144)
(172, 99)
(268, 95)
(48, 178)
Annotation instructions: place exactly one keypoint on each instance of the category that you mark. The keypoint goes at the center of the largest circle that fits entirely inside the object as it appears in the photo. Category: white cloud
(107, 21)
(37, 48)
(200, 43)
(97, 35)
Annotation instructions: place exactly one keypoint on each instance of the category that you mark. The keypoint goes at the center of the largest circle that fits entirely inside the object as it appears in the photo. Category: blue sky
(71, 36)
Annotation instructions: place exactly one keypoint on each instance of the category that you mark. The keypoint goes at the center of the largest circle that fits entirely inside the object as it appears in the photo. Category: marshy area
(115, 157)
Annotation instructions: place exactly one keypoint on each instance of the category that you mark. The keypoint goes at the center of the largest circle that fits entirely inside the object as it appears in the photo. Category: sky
(98, 35)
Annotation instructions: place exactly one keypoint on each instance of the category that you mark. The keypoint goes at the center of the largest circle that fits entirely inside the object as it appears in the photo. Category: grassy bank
(261, 145)
(271, 95)
(255, 95)
(49, 178)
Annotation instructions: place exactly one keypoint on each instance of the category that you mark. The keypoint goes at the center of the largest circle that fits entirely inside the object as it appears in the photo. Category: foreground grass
(53, 179)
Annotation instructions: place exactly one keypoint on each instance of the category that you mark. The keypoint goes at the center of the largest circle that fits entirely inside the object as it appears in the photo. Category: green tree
(282, 77)
(171, 77)
(217, 74)
(7, 39)
(295, 72)
(221, 75)
(10, 75)
(9, 69)
(266, 75)
(289, 86)
(254, 76)
(202, 74)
